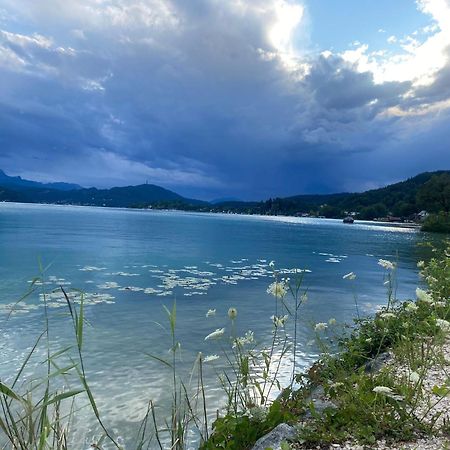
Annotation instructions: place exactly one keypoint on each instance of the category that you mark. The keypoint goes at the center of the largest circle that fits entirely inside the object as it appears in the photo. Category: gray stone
(317, 398)
(273, 440)
(376, 364)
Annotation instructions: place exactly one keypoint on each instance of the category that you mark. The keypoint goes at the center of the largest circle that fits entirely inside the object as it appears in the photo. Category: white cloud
(391, 40)
(419, 61)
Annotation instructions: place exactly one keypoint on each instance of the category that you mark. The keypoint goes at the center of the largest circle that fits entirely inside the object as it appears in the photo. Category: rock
(317, 397)
(376, 364)
(273, 440)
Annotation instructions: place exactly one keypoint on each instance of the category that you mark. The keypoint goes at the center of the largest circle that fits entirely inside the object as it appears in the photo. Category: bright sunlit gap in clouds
(288, 17)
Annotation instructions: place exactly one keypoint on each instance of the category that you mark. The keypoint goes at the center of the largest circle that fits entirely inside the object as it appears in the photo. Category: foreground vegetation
(372, 379)
(361, 399)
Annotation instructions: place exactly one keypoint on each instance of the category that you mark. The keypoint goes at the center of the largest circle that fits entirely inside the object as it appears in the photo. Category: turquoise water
(131, 263)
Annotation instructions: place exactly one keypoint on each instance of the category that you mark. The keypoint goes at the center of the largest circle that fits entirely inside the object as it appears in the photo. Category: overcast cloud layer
(216, 98)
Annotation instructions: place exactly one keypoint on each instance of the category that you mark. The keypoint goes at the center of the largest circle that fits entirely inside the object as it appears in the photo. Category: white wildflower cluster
(232, 313)
(248, 338)
(388, 392)
(279, 321)
(336, 385)
(211, 312)
(444, 325)
(278, 288)
(211, 358)
(421, 264)
(414, 377)
(388, 265)
(387, 315)
(258, 413)
(216, 334)
(321, 326)
(423, 296)
(349, 276)
(411, 307)
(332, 321)
(439, 304)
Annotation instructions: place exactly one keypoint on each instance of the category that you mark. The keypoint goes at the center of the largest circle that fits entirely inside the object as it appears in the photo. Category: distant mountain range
(20, 183)
(16, 189)
(400, 199)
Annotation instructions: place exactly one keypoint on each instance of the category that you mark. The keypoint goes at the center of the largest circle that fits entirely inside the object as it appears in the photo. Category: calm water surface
(131, 263)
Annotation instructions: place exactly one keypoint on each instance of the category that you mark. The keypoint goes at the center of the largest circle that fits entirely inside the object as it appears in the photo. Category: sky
(225, 98)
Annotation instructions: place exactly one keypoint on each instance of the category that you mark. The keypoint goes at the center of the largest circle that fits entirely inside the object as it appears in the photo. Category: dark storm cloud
(194, 96)
(337, 85)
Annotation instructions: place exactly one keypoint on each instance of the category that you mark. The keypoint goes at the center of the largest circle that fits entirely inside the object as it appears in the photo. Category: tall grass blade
(5, 390)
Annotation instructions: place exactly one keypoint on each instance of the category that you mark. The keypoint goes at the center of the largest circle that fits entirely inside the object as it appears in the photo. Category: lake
(132, 262)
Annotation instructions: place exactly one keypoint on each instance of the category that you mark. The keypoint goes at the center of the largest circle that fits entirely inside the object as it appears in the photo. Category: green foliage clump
(382, 402)
(437, 223)
(241, 431)
(434, 195)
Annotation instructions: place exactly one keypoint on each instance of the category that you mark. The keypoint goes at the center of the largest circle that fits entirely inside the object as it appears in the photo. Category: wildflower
(421, 264)
(232, 313)
(277, 289)
(211, 358)
(368, 340)
(444, 325)
(387, 315)
(279, 321)
(414, 377)
(336, 385)
(272, 264)
(349, 276)
(332, 321)
(320, 326)
(388, 265)
(388, 392)
(211, 312)
(423, 296)
(382, 390)
(248, 338)
(439, 304)
(216, 334)
(411, 307)
(258, 413)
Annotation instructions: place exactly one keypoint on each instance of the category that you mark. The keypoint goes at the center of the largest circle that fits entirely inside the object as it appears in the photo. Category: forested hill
(141, 196)
(427, 191)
